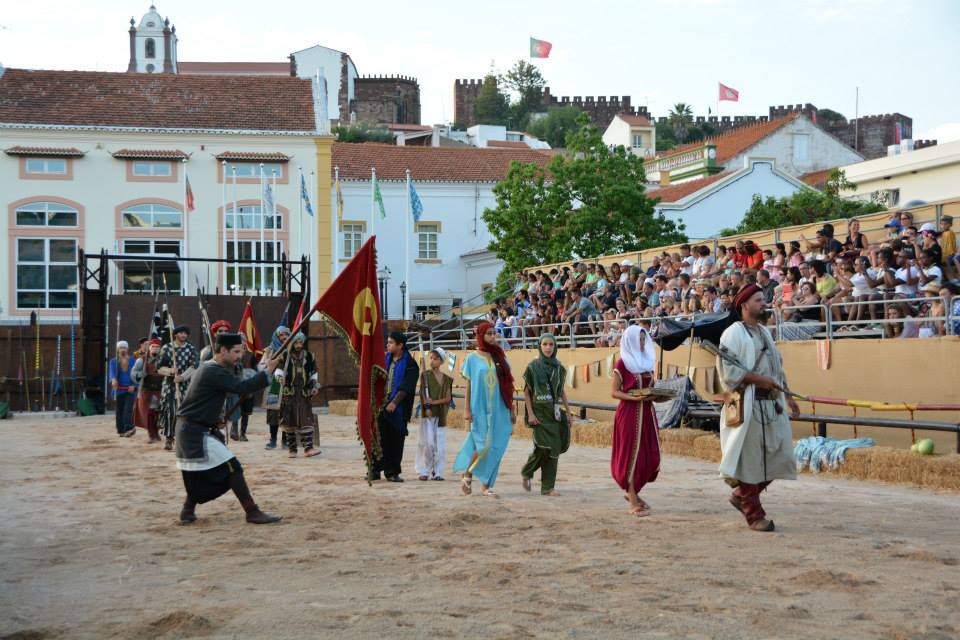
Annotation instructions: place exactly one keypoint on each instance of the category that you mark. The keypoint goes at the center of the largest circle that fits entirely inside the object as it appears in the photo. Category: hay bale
(895, 465)
(455, 419)
(707, 448)
(856, 464)
(941, 472)
(680, 436)
(592, 434)
(672, 448)
(342, 407)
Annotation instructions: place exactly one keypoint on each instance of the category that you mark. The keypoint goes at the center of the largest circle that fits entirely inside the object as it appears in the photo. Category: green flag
(378, 198)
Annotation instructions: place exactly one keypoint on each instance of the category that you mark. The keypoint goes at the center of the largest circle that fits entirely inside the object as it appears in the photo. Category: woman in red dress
(635, 459)
(146, 411)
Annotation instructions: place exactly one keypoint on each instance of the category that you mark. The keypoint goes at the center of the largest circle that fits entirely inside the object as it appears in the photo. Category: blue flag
(416, 207)
(305, 195)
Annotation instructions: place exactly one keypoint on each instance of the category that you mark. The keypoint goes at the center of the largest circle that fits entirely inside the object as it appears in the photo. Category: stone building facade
(465, 93)
(383, 100)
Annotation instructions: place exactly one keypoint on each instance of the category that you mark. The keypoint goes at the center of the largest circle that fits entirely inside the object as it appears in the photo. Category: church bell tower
(153, 44)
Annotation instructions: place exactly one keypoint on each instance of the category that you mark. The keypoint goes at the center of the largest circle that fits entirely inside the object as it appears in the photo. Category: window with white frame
(47, 166)
(427, 233)
(249, 276)
(152, 169)
(801, 148)
(638, 141)
(151, 275)
(252, 217)
(423, 312)
(351, 238)
(252, 170)
(46, 214)
(151, 216)
(46, 273)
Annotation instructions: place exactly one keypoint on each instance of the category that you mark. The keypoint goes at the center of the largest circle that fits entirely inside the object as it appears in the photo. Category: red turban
(156, 341)
(745, 294)
(220, 323)
(504, 377)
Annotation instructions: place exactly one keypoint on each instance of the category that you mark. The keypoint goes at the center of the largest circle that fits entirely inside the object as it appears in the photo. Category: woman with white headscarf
(635, 458)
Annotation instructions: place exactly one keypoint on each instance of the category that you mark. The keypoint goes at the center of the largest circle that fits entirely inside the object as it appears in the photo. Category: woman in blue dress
(489, 409)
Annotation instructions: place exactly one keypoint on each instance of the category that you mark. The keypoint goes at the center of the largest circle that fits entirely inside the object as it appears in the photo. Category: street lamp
(383, 277)
(403, 299)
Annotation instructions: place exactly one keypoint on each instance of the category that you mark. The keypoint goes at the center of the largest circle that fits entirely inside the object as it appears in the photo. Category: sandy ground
(89, 549)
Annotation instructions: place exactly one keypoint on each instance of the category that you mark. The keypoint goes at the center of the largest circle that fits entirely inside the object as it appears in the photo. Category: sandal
(488, 493)
(639, 512)
(527, 484)
(465, 485)
(423, 478)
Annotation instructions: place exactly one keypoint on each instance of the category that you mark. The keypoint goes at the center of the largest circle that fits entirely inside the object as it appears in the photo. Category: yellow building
(929, 174)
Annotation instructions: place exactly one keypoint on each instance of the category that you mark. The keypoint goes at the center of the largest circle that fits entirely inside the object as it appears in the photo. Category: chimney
(167, 59)
(132, 65)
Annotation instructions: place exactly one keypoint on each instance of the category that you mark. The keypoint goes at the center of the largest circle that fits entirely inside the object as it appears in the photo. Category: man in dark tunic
(402, 376)
(209, 468)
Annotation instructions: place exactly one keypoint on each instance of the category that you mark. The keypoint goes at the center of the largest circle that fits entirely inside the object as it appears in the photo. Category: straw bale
(593, 434)
(342, 407)
(895, 465)
(707, 448)
(856, 463)
(680, 436)
(941, 472)
(455, 419)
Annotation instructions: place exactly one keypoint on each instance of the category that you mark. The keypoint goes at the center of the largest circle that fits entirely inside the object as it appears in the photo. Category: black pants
(393, 433)
(125, 412)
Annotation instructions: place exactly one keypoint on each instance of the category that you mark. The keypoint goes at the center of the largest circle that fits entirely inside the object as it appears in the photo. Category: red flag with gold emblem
(352, 305)
(248, 329)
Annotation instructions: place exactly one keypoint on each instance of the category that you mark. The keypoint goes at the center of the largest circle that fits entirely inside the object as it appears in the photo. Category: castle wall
(465, 94)
(383, 100)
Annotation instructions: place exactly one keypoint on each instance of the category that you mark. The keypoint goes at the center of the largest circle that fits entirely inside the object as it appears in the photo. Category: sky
(902, 55)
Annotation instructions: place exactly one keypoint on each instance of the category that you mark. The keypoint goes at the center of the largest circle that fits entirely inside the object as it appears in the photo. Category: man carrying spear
(178, 362)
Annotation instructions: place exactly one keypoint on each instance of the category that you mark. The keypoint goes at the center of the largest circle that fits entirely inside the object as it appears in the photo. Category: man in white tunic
(760, 450)
(209, 468)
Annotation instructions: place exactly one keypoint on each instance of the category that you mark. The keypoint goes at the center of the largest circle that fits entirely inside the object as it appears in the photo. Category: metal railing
(820, 420)
(827, 326)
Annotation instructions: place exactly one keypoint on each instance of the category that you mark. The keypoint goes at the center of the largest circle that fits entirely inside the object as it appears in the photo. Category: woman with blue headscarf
(271, 398)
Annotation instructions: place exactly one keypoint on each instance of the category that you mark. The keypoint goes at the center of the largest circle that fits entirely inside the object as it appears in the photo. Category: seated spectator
(907, 275)
(611, 333)
(899, 323)
(739, 256)
(855, 239)
(704, 264)
(948, 246)
(805, 305)
(825, 283)
(767, 284)
(789, 284)
(726, 260)
(711, 300)
(654, 267)
(794, 255)
(754, 257)
(579, 314)
(933, 308)
(621, 309)
(929, 271)
(686, 260)
(864, 281)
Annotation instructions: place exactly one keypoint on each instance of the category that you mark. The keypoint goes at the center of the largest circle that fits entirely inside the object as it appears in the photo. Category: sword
(730, 358)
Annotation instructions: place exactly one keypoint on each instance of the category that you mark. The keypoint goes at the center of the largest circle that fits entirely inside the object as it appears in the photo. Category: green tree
(492, 105)
(361, 133)
(666, 140)
(829, 116)
(681, 118)
(591, 201)
(554, 126)
(803, 207)
(526, 81)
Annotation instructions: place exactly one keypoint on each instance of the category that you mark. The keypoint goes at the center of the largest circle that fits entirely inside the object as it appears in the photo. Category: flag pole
(336, 223)
(185, 266)
(313, 224)
(406, 255)
(263, 222)
(300, 211)
(223, 203)
(236, 233)
(373, 185)
(273, 223)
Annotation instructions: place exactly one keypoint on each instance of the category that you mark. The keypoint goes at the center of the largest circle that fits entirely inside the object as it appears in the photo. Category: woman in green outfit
(544, 393)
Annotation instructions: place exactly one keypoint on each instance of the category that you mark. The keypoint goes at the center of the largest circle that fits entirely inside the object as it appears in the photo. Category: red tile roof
(90, 98)
(435, 164)
(58, 152)
(150, 154)
(736, 141)
(817, 178)
(409, 127)
(507, 144)
(675, 192)
(254, 156)
(235, 68)
(635, 121)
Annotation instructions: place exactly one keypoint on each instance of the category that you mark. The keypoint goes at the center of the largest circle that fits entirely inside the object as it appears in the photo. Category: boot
(168, 445)
(259, 517)
(271, 444)
(188, 514)
(762, 525)
(233, 432)
(244, 420)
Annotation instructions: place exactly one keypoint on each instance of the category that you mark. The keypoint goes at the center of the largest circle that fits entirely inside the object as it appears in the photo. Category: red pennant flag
(189, 194)
(248, 329)
(728, 93)
(296, 322)
(352, 304)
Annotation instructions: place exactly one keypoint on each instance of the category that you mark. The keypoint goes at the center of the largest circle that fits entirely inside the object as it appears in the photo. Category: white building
(153, 44)
(447, 256)
(710, 204)
(794, 142)
(636, 134)
(97, 161)
(928, 174)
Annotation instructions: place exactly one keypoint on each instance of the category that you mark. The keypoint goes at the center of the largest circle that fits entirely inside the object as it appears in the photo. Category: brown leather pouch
(733, 410)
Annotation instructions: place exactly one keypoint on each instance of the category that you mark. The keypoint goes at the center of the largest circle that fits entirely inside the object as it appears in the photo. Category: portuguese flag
(540, 48)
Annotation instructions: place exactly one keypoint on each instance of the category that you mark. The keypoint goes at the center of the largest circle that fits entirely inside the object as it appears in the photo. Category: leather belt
(764, 394)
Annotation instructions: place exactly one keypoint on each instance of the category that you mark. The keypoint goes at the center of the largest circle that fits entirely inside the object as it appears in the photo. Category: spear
(73, 360)
(37, 371)
(9, 351)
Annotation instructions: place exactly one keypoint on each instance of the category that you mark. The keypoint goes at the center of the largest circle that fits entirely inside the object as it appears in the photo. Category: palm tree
(680, 117)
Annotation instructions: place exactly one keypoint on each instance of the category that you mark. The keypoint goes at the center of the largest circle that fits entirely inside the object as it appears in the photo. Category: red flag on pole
(248, 329)
(296, 322)
(352, 304)
(728, 93)
(540, 48)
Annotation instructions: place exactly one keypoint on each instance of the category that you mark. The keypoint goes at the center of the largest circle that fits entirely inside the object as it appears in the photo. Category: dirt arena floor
(89, 548)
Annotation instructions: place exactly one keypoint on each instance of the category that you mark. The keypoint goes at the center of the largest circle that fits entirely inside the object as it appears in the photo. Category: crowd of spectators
(909, 279)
